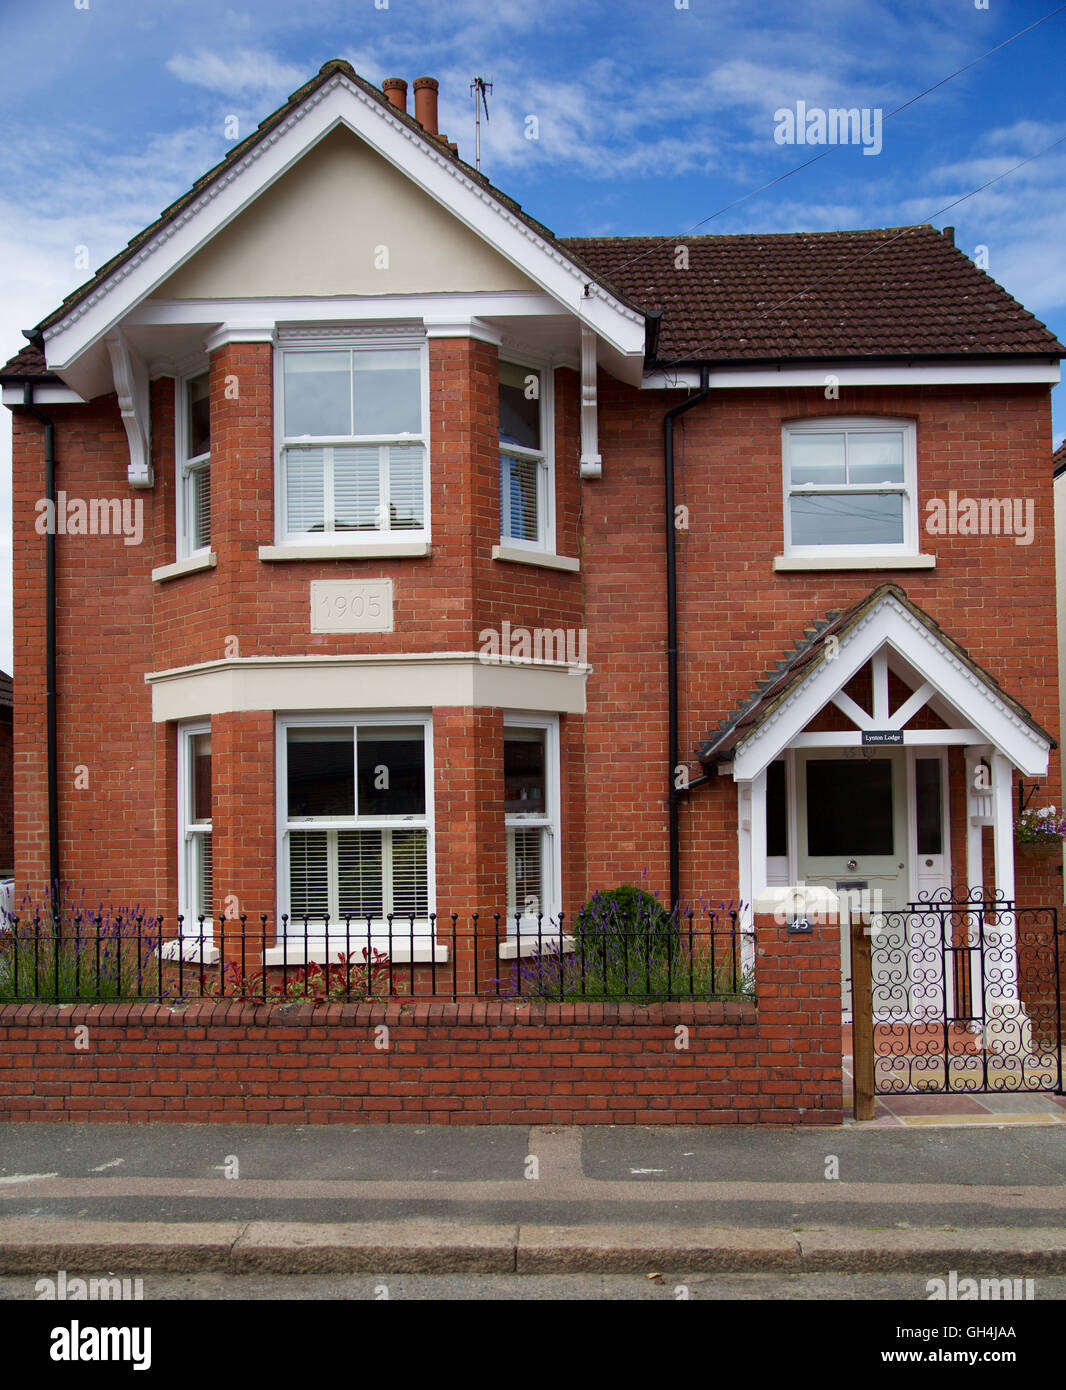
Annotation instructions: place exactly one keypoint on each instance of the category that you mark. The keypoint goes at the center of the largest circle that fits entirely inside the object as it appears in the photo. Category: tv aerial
(480, 88)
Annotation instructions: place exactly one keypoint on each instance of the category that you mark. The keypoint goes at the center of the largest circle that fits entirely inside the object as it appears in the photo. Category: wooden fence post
(862, 1019)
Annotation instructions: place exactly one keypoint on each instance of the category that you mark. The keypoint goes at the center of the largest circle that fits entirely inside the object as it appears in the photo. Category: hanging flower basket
(1039, 834)
(1040, 849)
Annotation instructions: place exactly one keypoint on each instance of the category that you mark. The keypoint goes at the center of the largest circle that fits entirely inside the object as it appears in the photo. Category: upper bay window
(194, 467)
(353, 443)
(850, 488)
(527, 503)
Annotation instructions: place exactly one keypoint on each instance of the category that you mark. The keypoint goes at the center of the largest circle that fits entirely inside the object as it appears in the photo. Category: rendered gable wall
(315, 232)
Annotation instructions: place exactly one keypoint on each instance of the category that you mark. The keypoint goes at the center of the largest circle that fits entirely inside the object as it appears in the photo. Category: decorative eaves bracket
(591, 460)
(131, 386)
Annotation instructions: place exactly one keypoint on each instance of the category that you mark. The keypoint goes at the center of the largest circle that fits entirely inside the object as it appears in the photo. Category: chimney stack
(395, 88)
(426, 103)
(949, 235)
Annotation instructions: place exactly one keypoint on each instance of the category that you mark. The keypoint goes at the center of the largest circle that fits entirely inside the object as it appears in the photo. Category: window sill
(543, 558)
(194, 563)
(854, 562)
(423, 950)
(346, 550)
(531, 945)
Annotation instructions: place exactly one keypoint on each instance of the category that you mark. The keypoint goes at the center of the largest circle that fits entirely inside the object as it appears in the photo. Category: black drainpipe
(671, 628)
(50, 641)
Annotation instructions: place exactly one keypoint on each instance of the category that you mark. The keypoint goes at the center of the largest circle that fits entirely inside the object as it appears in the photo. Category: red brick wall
(737, 616)
(7, 793)
(497, 1061)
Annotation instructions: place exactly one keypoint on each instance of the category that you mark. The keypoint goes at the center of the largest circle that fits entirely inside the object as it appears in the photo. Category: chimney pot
(395, 88)
(949, 235)
(426, 103)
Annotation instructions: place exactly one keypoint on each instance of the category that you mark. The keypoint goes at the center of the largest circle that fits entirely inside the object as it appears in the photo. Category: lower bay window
(195, 888)
(355, 827)
(531, 819)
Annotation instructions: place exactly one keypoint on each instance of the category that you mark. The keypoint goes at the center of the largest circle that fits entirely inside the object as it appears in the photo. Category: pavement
(259, 1201)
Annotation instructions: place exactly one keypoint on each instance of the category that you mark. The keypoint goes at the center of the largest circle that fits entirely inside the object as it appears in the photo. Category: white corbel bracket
(131, 386)
(591, 461)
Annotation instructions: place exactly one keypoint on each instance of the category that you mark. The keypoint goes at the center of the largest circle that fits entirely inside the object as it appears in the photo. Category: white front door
(852, 834)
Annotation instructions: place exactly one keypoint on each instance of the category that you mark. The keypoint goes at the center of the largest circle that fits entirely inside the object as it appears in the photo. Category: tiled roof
(7, 691)
(783, 677)
(897, 292)
(1058, 459)
(28, 362)
(866, 294)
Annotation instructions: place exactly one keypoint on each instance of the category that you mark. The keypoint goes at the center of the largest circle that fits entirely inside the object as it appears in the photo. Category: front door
(852, 832)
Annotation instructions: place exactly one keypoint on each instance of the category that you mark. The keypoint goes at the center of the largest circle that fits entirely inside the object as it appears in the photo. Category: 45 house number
(351, 605)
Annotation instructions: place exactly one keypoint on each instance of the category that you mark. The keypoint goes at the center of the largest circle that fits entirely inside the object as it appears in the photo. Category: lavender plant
(64, 952)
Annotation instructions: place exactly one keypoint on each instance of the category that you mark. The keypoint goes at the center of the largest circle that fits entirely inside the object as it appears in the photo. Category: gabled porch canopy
(947, 700)
(892, 633)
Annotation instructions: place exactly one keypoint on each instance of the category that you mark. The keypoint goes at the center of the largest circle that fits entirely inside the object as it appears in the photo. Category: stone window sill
(854, 562)
(533, 944)
(518, 556)
(192, 565)
(351, 550)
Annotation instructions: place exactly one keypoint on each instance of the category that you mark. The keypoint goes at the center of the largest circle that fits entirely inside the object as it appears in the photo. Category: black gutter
(671, 627)
(50, 640)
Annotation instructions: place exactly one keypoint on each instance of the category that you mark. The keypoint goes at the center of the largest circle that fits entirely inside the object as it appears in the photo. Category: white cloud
(247, 70)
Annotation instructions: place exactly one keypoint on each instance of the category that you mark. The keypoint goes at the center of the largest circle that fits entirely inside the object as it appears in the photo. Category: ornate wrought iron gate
(967, 996)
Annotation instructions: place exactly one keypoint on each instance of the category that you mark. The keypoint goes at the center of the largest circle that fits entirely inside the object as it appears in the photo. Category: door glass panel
(776, 812)
(927, 793)
(849, 807)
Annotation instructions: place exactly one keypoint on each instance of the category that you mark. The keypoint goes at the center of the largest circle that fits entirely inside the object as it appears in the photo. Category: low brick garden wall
(414, 1061)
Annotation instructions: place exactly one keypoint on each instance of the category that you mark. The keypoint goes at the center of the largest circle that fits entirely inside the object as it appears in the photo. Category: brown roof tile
(896, 292)
(1058, 458)
(29, 361)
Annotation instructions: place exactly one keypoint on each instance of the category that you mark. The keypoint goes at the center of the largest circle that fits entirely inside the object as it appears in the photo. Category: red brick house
(410, 559)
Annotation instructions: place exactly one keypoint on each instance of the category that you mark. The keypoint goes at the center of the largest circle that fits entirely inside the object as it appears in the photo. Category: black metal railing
(96, 957)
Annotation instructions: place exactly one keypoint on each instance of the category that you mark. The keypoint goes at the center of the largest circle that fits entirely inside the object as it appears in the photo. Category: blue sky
(651, 117)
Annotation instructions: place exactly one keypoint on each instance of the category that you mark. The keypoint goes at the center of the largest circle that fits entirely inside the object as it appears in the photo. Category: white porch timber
(912, 738)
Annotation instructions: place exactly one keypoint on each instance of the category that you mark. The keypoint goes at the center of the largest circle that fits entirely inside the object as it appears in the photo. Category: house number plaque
(351, 605)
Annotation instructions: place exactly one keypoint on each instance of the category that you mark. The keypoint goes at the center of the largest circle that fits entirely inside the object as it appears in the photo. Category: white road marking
(28, 1177)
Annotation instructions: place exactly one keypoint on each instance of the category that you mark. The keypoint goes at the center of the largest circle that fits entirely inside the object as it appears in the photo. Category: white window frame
(347, 340)
(548, 822)
(186, 469)
(860, 424)
(355, 720)
(188, 833)
(544, 457)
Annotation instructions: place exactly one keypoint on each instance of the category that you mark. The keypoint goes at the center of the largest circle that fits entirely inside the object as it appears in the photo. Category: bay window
(353, 442)
(527, 504)
(194, 467)
(531, 820)
(194, 825)
(355, 825)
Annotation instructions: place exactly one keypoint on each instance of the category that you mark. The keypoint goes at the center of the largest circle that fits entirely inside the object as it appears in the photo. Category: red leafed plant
(348, 977)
